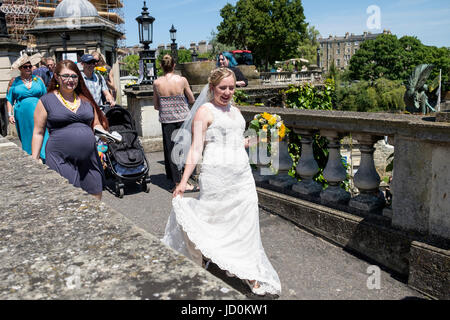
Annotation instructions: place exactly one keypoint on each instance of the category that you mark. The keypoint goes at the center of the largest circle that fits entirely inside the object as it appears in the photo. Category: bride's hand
(179, 190)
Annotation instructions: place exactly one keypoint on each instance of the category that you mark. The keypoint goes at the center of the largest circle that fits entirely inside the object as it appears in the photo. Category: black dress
(239, 75)
(71, 148)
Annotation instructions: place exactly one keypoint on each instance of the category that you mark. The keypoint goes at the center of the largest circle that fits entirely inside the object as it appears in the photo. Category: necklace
(69, 105)
(27, 82)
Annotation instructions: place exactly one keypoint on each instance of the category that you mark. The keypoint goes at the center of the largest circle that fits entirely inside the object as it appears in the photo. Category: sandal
(256, 290)
(195, 189)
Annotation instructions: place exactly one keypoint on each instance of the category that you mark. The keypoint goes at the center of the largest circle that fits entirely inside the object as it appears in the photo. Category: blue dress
(25, 101)
(71, 147)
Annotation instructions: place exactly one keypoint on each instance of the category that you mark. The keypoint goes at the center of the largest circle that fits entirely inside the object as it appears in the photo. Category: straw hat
(25, 58)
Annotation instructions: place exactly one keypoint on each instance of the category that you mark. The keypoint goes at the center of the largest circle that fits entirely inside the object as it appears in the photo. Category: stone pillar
(420, 186)
(334, 172)
(366, 178)
(307, 166)
(260, 157)
(282, 162)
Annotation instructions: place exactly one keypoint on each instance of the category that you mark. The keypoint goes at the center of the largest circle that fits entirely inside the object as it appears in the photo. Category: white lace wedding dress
(223, 223)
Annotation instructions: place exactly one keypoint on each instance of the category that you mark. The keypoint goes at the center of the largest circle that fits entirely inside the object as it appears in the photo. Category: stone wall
(57, 242)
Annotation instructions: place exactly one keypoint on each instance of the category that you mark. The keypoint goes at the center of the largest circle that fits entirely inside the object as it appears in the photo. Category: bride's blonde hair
(216, 76)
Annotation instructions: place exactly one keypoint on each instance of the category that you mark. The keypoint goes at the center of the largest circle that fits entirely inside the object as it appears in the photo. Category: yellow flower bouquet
(270, 124)
(102, 71)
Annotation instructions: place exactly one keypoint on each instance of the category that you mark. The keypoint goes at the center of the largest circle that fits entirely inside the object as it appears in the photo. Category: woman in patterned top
(172, 96)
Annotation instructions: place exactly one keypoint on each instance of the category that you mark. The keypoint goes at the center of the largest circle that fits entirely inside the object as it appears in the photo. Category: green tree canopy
(395, 59)
(132, 64)
(308, 46)
(271, 29)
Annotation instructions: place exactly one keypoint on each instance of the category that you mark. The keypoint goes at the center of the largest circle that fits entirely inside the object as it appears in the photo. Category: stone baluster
(334, 172)
(259, 156)
(307, 166)
(366, 179)
(282, 162)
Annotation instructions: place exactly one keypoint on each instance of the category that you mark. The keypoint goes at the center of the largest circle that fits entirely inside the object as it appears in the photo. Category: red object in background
(243, 56)
(240, 51)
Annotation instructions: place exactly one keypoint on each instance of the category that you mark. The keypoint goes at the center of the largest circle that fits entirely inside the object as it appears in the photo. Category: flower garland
(269, 123)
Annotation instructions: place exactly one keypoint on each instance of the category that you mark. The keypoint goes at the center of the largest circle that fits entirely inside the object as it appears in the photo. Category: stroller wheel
(119, 189)
(145, 184)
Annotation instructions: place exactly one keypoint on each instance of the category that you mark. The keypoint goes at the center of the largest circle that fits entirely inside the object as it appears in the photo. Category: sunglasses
(69, 76)
(92, 62)
(26, 67)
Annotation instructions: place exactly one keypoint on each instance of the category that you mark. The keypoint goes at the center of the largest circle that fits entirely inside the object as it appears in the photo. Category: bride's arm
(202, 119)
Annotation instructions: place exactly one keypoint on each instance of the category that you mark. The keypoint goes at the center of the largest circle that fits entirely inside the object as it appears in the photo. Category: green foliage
(132, 64)
(307, 96)
(308, 46)
(240, 98)
(366, 96)
(217, 46)
(184, 55)
(395, 59)
(271, 29)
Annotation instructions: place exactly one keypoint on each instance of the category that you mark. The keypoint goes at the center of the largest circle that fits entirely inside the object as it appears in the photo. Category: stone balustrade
(285, 77)
(421, 178)
(411, 237)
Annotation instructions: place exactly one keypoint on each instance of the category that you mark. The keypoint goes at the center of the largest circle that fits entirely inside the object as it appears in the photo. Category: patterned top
(173, 109)
(95, 85)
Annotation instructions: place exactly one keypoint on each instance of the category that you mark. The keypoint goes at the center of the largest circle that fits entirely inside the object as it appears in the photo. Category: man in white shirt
(95, 82)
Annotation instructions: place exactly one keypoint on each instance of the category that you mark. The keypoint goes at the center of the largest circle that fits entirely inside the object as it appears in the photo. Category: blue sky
(429, 20)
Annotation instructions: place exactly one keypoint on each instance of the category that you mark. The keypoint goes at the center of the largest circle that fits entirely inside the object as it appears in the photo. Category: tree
(308, 47)
(132, 64)
(271, 29)
(218, 47)
(395, 59)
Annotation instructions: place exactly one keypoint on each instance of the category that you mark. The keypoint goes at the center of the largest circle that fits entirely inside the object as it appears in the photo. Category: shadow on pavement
(236, 283)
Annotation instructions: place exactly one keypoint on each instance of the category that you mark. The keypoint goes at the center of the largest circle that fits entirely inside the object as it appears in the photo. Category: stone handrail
(57, 242)
(421, 176)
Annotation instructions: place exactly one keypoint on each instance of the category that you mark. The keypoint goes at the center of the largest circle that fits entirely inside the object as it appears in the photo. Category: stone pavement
(308, 267)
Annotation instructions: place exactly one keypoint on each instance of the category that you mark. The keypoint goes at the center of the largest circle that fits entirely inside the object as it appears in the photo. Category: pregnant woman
(70, 114)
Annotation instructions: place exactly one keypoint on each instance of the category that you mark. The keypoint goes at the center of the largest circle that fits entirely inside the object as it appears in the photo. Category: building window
(338, 62)
(338, 51)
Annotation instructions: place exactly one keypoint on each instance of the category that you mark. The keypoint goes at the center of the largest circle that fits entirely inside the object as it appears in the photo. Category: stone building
(75, 29)
(22, 14)
(341, 49)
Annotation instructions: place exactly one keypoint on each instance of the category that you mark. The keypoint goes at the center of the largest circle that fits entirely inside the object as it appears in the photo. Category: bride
(222, 225)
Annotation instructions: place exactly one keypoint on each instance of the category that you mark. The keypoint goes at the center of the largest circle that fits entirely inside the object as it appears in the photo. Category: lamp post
(147, 56)
(65, 37)
(173, 45)
(318, 57)
(194, 56)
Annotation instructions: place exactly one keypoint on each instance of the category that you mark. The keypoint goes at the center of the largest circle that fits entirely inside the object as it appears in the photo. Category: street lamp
(173, 45)
(147, 56)
(194, 56)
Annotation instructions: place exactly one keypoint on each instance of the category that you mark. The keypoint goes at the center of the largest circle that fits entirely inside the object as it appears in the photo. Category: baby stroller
(125, 160)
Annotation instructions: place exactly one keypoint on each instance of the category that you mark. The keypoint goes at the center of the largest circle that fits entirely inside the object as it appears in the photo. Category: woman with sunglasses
(70, 114)
(23, 93)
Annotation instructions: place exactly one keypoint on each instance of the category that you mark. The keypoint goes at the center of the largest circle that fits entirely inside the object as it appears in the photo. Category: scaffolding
(20, 15)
